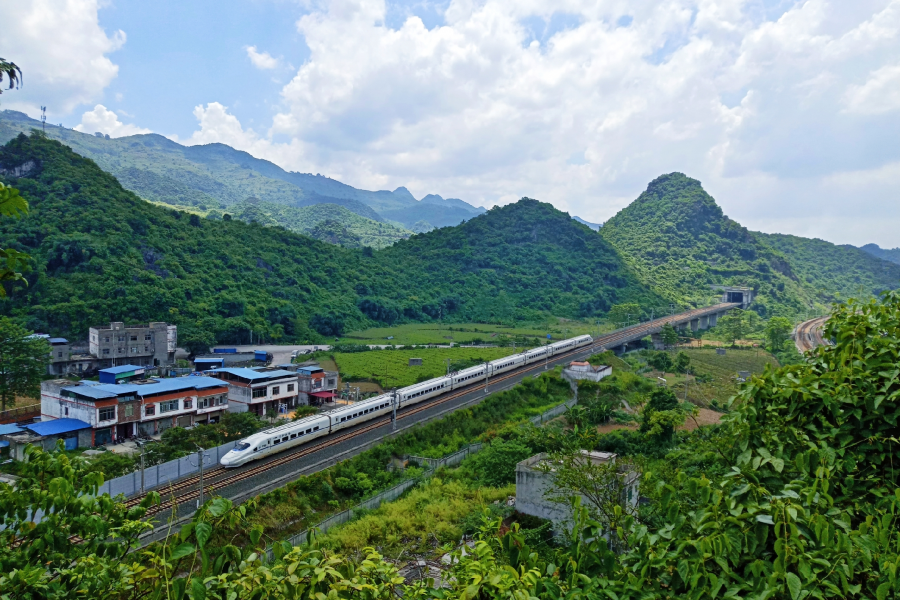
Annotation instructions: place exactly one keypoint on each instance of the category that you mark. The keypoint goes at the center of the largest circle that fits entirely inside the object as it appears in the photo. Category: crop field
(722, 370)
(390, 368)
(465, 333)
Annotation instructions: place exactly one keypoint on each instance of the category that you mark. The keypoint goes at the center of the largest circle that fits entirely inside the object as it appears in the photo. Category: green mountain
(527, 254)
(832, 273)
(679, 241)
(216, 176)
(891, 254)
(325, 222)
(101, 253)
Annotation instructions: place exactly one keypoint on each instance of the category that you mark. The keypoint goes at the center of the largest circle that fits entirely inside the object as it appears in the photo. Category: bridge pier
(695, 324)
(713, 319)
(657, 341)
(704, 322)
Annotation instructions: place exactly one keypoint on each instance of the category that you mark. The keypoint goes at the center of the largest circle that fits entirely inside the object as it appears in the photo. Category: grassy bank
(467, 333)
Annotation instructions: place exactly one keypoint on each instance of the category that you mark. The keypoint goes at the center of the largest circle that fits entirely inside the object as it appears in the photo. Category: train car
(425, 390)
(272, 441)
(350, 415)
(468, 376)
(583, 340)
(508, 363)
(536, 354)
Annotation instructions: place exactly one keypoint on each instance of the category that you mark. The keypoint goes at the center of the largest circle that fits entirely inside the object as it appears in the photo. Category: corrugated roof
(251, 374)
(57, 426)
(160, 386)
(7, 429)
(58, 341)
(121, 369)
(209, 360)
(310, 370)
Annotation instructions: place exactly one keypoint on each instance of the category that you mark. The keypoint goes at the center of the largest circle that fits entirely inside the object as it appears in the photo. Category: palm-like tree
(12, 72)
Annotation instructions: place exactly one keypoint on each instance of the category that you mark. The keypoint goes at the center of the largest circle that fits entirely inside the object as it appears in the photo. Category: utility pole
(394, 409)
(200, 457)
(487, 378)
(44, 120)
(140, 444)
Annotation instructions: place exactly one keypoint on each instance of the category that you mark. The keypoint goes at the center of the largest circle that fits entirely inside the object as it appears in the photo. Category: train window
(293, 435)
(276, 442)
(316, 428)
(310, 430)
(343, 419)
(241, 447)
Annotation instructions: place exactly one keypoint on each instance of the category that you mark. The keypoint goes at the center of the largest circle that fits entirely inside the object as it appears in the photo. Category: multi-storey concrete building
(145, 407)
(149, 345)
(316, 384)
(259, 390)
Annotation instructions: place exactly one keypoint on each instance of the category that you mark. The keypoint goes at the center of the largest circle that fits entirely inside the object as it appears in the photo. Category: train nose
(227, 460)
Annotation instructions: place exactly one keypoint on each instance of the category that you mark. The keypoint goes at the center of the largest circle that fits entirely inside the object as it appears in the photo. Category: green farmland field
(465, 333)
(390, 368)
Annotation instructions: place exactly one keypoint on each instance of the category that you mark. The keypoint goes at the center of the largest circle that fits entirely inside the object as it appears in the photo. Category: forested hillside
(523, 255)
(834, 273)
(680, 242)
(216, 176)
(101, 253)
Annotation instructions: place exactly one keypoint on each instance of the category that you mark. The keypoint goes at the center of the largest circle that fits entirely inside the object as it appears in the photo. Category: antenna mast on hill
(44, 120)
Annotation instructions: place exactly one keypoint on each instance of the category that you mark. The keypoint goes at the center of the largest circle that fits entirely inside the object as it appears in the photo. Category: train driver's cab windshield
(241, 447)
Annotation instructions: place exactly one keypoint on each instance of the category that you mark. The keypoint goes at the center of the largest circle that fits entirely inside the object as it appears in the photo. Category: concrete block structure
(150, 345)
(142, 407)
(259, 390)
(535, 484)
(577, 371)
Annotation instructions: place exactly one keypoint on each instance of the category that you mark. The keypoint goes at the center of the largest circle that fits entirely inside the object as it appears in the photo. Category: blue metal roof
(209, 360)
(310, 370)
(160, 386)
(7, 429)
(253, 374)
(121, 369)
(57, 426)
(58, 341)
(97, 392)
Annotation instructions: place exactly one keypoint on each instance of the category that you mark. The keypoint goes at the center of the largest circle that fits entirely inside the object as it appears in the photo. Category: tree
(197, 341)
(12, 262)
(496, 464)
(623, 314)
(12, 72)
(80, 545)
(732, 326)
(681, 363)
(661, 361)
(23, 362)
(778, 331)
(668, 335)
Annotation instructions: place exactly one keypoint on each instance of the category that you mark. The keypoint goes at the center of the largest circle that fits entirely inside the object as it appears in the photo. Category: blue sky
(788, 111)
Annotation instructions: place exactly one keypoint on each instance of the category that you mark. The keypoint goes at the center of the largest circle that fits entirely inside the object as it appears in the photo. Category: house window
(260, 393)
(134, 349)
(331, 383)
(129, 410)
(121, 338)
(188, 403)
(59, 354)
(317, 383)
(121, 350)
(106, 339)
(147, 338)
(107, 413)
(276, 390)
(150, 410)
(134, 338)
(222, 400)
(290, 387)
(169, 406)
(67, 411)
(106, 351)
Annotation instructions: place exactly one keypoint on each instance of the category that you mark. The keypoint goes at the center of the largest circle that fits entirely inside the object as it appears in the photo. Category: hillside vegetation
(101, 253)
(833, 273)
(891, 254)
(680, 242)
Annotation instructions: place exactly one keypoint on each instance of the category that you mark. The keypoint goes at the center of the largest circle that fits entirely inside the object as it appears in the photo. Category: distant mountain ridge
(890, 254)
(217, 176)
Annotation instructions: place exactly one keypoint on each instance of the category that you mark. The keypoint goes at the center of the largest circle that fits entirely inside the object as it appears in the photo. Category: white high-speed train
(270, 441)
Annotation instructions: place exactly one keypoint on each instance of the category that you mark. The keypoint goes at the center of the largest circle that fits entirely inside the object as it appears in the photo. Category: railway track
(187, 490)
(808, 334)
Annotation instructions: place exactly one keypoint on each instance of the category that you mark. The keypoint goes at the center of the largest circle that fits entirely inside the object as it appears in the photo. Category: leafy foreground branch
(807, 507)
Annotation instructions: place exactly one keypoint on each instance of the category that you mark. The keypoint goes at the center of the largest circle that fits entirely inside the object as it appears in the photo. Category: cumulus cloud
(62, 51)
(103, 120)
(786, 116)
(261, 60)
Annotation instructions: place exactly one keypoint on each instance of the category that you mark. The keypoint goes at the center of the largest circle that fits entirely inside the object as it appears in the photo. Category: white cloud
(879, 94)
(103, 120)
(770, 111)
(261, 60)
(62, 51)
